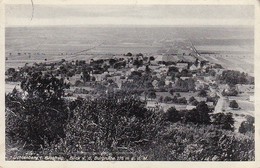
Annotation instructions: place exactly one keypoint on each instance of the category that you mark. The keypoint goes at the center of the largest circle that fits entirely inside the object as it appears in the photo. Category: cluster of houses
(158, 71)
(118, 70)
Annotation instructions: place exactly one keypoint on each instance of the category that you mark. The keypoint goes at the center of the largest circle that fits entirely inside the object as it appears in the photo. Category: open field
(29, 45)
(243, 63)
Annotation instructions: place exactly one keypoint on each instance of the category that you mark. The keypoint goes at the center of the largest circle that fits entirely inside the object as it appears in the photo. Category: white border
(130, 164)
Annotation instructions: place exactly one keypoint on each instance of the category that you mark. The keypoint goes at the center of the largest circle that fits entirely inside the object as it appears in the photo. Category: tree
(138, 63)
(171, 91)
(129, 54)
(140, 55)
(40, 116)
(112, 62)
(151, 94)
(191, 99)
(194, 102)
(86, 76)
(44, 86)
(10, 71)
(173, 77)
(114, 121)
(232, 77)
(248, 125)
(161, 83)
(202, 93)
(178, 94)
(231, 92)
(203, 112)
(167, 99)
(172, 115)
(182, 100)
(147, 69)
(160, 99)
(233, 104)
(172, 70)
(152, 58)
(224, 121)
(196, 63)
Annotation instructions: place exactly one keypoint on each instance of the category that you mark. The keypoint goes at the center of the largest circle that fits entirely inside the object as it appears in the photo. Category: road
(219, 105)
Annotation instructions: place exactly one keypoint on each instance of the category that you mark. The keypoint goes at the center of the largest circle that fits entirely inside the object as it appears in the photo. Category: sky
(117, 15)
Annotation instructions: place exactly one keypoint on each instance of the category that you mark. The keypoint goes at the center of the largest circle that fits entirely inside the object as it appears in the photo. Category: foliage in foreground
(42, 126)
(122, 129)
(177, 142)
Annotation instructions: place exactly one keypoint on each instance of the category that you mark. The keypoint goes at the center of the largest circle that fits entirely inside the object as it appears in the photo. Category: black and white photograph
(129, 82)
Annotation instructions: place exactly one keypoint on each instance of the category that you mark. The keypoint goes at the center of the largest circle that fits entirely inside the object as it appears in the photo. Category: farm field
(243, 63)
(55, 43)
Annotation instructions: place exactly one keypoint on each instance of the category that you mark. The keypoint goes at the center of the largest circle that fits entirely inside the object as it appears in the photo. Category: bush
(39, 113)
(232, 92)
(223, 121)
(201, 143)
(232, 77)
(248, 125)
(79, 83)
(128, 54)
(167, 99)
(172, 115)
(194, 102)
(34, 121)
(202, 93)
(105, 124)
(182, 100)
(233, 104)
(121, 128)
(191, 99)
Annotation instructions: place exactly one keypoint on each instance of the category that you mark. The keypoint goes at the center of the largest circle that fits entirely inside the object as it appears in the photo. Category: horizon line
(125, 25)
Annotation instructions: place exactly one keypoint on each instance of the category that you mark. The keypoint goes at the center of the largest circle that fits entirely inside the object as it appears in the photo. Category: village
(162, 81)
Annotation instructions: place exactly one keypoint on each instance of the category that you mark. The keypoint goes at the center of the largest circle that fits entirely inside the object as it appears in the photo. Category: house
(168, 80)
(142, 68)
(190, 107)
(200, 99)
(193, 67)
(199, 85)
(110, 78)
(130, 80)
(210, 104)
(120, 82)
(133, 69)
(212, 94)
(158, 58)
(111, 70)
(152, 105)
(155, 84)
(181, 65)
(128, 73)
(184, 78)
(154, 67)
(158, 75)
(76, 77)
(99, 77)
(219, 71)
(208, 78)
(164, 69)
